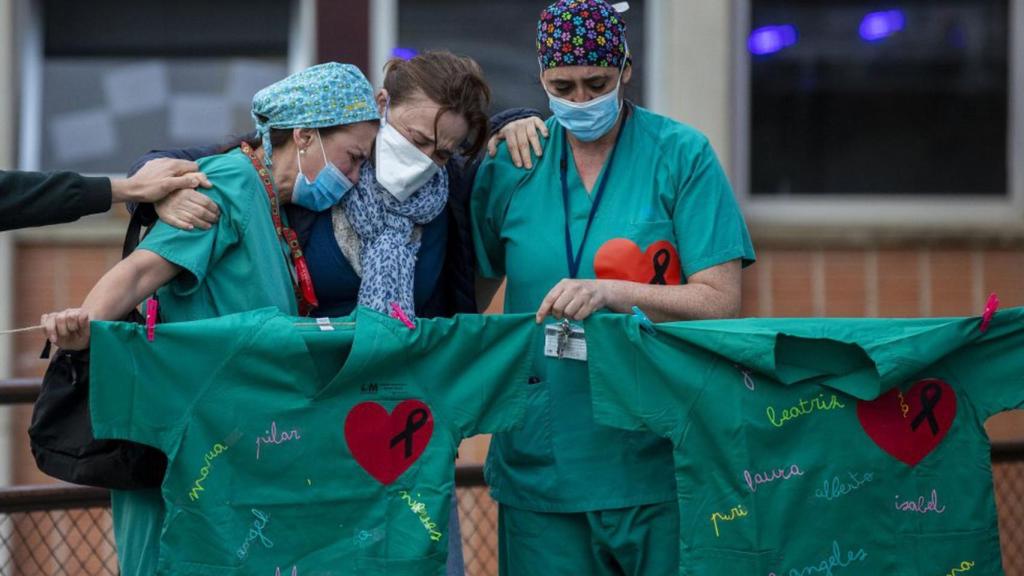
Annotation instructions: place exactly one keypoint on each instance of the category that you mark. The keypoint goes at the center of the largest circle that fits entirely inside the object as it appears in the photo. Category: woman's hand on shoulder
(521, 135)
(188, 209)
(68, 329)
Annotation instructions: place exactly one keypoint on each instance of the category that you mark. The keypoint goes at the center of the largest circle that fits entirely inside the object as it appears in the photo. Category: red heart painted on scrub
(911, 424)
(385, 445)
(622, 259)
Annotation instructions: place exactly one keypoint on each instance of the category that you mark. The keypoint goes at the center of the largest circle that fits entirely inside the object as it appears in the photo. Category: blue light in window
(878, 25)
(770, 39)
(404, 53)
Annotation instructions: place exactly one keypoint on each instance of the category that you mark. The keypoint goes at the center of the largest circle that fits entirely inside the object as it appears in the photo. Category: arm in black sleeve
(37, 199)
(148, 214)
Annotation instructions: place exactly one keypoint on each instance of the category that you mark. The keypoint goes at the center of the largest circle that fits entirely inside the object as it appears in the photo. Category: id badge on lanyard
(566, 340)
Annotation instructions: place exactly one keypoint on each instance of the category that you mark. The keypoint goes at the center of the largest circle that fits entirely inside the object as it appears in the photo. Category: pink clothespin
(990, 310)
(151, 308)
(397, 312)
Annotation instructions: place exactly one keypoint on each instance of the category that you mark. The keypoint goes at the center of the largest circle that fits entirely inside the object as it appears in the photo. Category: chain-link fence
(78, 540)
(52, 542)
(75, 541)
(1008, 474)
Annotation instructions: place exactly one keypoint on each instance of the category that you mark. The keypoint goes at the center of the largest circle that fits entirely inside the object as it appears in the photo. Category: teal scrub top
(235, 266)
(667, 213)
(297, 447)
(821, 446)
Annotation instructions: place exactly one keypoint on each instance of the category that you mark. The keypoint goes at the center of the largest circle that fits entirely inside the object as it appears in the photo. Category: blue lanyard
(575, 261)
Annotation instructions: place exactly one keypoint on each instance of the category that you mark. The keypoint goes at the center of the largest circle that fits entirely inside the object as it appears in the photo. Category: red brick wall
(898, 282)
(47, 278)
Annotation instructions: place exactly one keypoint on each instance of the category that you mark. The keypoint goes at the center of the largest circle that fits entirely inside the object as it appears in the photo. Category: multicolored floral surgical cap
(324, 95)
(581, 33)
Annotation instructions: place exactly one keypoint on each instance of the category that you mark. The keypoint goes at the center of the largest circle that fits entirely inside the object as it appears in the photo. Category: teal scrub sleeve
(995, 369)
(657, 399)
(707, 218)
(492, 189)
(130, 397)
(486, 371)
(142, 391)
(235, 185)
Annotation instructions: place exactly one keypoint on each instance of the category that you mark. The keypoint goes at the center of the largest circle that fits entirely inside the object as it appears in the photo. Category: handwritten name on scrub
(920, 506)
(255, 533)
(826, 565)
(763, 478)
(272, 437)
(737, 512)
(835, 488)
(803, 408)
(420, 510)
(197, 485)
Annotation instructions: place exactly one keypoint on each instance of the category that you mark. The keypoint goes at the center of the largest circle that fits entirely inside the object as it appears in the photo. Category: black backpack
(61, 430)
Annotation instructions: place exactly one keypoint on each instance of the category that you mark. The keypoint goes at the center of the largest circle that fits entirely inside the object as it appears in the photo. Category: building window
(501, 37)
(121, 77)
(861, 98)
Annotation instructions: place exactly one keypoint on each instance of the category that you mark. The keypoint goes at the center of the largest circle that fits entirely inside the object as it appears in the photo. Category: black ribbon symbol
(662, 258)
(413, 422)
(930, 396)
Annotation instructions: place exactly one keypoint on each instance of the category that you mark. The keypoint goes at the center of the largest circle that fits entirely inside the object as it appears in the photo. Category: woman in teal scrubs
(325, 118)
(625, 208)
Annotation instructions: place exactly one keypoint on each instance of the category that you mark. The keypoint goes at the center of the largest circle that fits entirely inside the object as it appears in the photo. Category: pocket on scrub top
(720, 561)
(647, 254)
(969, 553)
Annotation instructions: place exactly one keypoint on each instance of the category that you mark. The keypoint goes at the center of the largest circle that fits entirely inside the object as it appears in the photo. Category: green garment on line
(810, 446)
(667, 213)
(237, 265)
(291, 446)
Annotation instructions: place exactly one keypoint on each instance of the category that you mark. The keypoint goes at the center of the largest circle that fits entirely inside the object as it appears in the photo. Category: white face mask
(401, 167)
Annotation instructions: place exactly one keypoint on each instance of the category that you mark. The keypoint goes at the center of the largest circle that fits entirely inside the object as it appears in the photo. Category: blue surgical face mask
(589, 120)
(326, 191)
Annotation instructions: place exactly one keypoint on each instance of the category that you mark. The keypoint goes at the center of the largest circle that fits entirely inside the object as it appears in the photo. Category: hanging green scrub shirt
(235, 266)
(324, 450)
(807, 447)
(667, 212)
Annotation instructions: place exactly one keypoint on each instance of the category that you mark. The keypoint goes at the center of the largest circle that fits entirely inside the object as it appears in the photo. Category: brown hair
(456, 83)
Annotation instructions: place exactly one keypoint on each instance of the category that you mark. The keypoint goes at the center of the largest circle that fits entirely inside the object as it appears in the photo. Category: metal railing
(63, 529)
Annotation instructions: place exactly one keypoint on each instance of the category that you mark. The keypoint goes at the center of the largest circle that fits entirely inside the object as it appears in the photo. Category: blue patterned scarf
(385, 228)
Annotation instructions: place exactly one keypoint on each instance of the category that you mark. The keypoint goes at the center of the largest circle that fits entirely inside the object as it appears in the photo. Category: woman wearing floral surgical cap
(316, 128)
(625, 208)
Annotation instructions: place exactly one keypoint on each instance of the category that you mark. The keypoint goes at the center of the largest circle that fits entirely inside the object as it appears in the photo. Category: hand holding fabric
(575, 299)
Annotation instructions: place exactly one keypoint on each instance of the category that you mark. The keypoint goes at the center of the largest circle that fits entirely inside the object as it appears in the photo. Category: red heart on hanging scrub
(385, 445)
(622, 259)
(909, 425)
